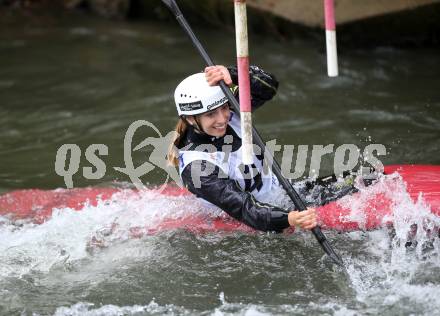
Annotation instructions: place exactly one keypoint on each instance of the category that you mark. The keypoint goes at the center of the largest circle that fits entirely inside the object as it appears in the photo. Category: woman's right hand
(216, 73)
(305, 219)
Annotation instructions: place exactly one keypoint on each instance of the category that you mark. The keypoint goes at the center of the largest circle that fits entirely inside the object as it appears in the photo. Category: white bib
(252, 178)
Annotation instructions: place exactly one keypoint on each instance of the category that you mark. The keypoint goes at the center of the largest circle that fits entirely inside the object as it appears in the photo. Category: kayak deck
(370, 208)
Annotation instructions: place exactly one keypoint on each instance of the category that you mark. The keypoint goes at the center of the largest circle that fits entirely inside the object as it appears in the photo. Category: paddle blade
(331, 253)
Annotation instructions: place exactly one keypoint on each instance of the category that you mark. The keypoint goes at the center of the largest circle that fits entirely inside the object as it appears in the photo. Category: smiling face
(214, 122)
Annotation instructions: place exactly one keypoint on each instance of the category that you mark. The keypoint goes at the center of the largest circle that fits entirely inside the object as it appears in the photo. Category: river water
(77, 80)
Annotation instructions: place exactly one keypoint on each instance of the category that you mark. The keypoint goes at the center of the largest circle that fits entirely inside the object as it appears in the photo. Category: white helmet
(195, 96)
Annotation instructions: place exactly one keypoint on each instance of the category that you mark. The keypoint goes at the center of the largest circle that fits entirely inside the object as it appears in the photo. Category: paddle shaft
(299, 204)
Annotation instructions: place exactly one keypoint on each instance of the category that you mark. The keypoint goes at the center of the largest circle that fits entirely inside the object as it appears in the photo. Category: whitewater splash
(69, 235)
(387, 203)
(383, 270)
(63, 234)
(403, 256)
(56, 235)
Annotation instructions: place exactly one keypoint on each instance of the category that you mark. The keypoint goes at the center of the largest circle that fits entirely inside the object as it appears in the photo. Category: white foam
(68, 235)
(390, 272)
(87, 309)
(382, 274)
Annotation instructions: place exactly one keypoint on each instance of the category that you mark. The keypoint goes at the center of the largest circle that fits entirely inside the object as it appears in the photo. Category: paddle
(299, 204)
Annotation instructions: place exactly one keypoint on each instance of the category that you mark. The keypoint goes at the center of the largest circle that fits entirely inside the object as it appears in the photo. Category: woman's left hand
(216, 73)
(305, 219)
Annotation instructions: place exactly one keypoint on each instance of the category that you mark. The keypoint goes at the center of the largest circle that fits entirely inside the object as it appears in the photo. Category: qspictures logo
(68, 167)
(346, 158)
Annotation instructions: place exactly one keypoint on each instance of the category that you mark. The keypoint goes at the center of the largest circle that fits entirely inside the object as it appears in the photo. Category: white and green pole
(241, 38)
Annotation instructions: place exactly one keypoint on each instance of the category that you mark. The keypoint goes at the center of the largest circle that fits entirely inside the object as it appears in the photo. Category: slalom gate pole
(299, 204)
(330, 36)
(241, 38)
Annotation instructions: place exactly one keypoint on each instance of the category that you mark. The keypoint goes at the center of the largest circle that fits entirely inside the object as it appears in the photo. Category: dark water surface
(78, 80)
(84, 81)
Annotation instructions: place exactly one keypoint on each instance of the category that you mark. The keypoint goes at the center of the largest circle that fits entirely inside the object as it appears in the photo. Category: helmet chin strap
(197, 126)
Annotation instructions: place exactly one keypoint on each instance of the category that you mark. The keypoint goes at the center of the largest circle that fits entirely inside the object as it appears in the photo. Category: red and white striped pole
(241, 38)
(330, 35)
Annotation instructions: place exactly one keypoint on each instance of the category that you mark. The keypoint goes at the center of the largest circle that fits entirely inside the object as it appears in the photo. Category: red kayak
(370, 208)
(376, 205)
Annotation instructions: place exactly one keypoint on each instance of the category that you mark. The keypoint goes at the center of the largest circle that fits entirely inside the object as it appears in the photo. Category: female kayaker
(207, 150)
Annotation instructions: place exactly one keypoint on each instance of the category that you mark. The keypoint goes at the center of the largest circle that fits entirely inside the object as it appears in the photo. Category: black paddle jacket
(223, 191)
